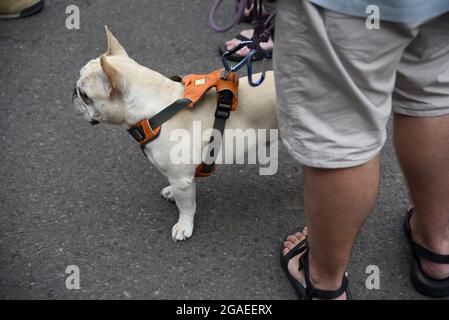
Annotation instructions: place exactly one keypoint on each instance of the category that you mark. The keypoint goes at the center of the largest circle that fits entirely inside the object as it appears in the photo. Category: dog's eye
(85, 97)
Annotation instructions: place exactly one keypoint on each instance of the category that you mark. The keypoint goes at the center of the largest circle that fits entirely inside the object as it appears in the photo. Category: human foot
(428, 271)
(293, 242)
(438, 271)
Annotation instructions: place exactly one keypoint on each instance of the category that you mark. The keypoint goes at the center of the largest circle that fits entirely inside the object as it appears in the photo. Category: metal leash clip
(232, 68)
(247, 60)
(250, 67)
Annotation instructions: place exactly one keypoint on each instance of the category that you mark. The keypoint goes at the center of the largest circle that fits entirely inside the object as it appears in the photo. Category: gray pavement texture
(72, 194)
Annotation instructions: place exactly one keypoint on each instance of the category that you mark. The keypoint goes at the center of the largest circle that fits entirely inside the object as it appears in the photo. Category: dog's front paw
(182, 231)
(167, 194)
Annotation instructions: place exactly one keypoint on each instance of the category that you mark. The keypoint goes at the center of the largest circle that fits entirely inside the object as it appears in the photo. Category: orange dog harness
(195, 86)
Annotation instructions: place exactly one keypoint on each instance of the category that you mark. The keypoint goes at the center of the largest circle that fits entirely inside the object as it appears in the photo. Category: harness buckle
(224, 104)
(223, 111)
(137, 133)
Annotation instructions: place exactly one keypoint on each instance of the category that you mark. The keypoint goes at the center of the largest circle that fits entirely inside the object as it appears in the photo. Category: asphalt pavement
(72, 194)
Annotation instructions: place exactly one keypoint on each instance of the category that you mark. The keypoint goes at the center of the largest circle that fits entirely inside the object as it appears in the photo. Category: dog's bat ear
(114, 47)
(112, 74)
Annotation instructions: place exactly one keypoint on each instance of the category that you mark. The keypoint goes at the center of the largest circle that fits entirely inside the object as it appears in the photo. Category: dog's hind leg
(167, 194)
(184, 194)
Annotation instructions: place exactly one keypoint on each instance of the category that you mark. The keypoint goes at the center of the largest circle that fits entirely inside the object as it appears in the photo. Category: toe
(292, 241)
(231, 43)
(289, 245)
(296, 238)
(243, 52)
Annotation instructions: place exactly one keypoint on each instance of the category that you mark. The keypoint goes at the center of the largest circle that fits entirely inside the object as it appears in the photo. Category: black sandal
(420, 281)
(309, 292)
(236, 57)
(35, 8)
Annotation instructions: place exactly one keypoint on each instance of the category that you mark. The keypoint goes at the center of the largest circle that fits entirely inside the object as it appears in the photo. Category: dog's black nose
(94, 122)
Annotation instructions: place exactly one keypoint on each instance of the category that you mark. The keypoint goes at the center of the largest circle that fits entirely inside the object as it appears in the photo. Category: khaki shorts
(337, 81)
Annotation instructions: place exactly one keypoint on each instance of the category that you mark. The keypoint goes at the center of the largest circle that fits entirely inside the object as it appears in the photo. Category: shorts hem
(311, 161)
(406, 111)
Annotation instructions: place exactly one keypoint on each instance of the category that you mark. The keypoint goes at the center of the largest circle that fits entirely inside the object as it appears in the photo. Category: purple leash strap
(240, 6)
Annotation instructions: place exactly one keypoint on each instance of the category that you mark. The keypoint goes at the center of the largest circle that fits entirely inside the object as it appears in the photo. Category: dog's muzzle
(80, 106)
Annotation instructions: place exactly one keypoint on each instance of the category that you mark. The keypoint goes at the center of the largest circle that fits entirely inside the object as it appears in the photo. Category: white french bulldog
(115, 89)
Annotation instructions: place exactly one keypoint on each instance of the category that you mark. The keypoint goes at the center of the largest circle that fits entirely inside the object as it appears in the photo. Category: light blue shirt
(407, 11)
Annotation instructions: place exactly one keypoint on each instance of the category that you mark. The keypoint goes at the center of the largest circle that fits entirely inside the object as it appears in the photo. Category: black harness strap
(222, 113)
(166, 114)
(138, 133)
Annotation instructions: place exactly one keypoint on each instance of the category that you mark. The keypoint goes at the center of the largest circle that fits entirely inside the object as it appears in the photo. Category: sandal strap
(427, 254)
(418, 249)
(313, 292)
(299, 248)
(241, 37)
